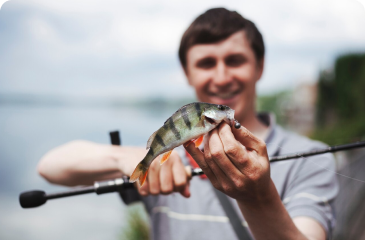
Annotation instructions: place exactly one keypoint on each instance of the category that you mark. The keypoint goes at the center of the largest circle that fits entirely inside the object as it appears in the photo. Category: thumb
(247, 139)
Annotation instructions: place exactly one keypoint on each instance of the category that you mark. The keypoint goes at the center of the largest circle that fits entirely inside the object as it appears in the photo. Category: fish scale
(189, 122)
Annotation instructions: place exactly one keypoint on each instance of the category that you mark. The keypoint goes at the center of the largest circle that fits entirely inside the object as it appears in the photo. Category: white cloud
(101, 46)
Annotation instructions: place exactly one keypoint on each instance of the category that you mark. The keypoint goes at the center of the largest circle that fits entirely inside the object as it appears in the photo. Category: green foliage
(341, 101)
(137, 226)
(274, 103)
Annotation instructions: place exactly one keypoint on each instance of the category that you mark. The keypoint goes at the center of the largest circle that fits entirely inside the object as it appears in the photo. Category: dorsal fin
(149, 142)
(167, 120)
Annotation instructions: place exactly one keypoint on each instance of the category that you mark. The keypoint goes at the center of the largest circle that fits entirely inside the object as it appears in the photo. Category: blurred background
(79, 69)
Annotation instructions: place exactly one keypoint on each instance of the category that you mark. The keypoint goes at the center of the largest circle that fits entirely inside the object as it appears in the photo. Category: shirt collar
(276, 135)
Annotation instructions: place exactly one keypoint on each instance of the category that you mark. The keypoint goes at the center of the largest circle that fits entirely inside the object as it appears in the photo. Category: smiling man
(222, 55)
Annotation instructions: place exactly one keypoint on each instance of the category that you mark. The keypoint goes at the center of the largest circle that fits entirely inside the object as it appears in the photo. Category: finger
(144, 190)
(180, 178)
(186, 191)
(235, 151)
(153, 177)
(221, 165)
(198, 156)
(249, 140)
(166, 178)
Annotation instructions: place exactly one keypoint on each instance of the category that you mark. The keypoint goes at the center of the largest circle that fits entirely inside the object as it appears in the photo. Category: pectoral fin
(199, 141)
(165, 156)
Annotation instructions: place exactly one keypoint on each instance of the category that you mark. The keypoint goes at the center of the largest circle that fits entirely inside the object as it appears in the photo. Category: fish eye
(220, 107)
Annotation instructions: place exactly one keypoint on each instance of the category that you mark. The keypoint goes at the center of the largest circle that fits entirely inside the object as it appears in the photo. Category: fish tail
(140, 174)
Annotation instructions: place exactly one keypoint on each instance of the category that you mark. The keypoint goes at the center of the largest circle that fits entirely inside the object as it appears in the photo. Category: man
(222, 55)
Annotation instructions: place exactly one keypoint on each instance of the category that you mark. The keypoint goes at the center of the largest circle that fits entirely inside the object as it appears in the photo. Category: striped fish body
(189, 122)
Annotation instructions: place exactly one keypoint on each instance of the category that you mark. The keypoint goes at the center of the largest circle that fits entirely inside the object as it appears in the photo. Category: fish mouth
(210, 120)
(230, 118)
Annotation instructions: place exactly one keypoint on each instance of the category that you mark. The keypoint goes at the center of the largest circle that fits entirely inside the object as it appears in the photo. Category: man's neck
(254, 125)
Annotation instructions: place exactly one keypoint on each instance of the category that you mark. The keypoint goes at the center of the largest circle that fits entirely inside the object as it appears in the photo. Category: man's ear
(260, 68)
(186, 72)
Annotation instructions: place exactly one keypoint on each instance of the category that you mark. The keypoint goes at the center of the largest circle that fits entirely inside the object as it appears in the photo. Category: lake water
(27, 132)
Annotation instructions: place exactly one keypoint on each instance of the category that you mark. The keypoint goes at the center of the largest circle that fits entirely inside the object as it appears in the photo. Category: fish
(190, 122)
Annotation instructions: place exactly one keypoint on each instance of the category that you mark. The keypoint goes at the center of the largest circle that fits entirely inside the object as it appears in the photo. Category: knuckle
(166, 190)
(154, 191)
(244, 162)
(216, 154)
(226, 188)
(238, 183)
(232, 150)
(180, 183)
(254, 175)
(154, 166)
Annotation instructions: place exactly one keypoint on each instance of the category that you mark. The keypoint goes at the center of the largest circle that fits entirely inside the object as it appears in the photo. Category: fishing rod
(31, 199)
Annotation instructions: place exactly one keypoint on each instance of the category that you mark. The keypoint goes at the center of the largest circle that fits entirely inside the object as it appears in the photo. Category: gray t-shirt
(307, 187)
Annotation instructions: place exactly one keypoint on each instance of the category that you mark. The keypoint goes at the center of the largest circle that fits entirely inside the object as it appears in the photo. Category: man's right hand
(84, 162)
(167, 178)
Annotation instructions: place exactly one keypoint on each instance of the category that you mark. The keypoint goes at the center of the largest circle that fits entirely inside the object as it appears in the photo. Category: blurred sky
(128, 49)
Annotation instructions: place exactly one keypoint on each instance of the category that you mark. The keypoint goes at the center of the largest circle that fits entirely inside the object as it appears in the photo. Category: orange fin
(140, 174)
(165, 156)
(199, 141)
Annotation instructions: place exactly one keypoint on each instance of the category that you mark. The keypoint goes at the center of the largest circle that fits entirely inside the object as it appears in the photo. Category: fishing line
(329, 170)
(287, 157)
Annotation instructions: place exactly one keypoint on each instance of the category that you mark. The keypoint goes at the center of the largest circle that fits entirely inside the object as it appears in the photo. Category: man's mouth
(225, 95)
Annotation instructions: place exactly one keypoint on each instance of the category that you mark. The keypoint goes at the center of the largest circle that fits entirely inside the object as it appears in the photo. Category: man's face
(225, 73)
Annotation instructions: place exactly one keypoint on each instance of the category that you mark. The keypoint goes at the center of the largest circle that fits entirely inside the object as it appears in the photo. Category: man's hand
(84, 162)
(235, 161)
(167, 178)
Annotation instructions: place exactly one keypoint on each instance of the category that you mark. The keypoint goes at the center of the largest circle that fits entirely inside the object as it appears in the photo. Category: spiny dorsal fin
(149, 142)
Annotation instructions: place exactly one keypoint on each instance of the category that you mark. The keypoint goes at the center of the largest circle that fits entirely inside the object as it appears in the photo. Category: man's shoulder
(292, 142)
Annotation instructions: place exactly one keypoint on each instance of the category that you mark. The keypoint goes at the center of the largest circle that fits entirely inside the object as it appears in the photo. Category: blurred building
(299, 111)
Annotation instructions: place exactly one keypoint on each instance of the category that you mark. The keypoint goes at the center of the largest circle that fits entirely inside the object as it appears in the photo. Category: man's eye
(235, 60)
(206, 63)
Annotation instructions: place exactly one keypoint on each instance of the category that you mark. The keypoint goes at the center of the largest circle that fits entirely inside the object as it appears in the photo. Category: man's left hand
(235, 161)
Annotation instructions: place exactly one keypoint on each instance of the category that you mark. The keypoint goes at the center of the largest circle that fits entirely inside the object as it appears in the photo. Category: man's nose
(221, 76)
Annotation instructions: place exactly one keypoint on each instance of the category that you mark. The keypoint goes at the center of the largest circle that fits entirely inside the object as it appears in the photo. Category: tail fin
(140, 174)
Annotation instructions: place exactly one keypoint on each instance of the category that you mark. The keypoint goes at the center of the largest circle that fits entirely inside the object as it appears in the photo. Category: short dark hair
(217, 24)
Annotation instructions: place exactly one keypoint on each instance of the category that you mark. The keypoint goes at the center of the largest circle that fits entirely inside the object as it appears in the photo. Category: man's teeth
(225, 95)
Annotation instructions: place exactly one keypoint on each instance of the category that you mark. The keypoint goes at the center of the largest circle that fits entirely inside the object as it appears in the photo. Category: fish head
(215, 114)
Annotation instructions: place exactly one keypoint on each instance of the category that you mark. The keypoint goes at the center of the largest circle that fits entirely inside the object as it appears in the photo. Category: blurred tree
(341, 101)
(275, 103)
(137, 225)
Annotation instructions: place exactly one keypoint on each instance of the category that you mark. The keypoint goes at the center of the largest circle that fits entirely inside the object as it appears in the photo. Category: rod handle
(32, 199)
